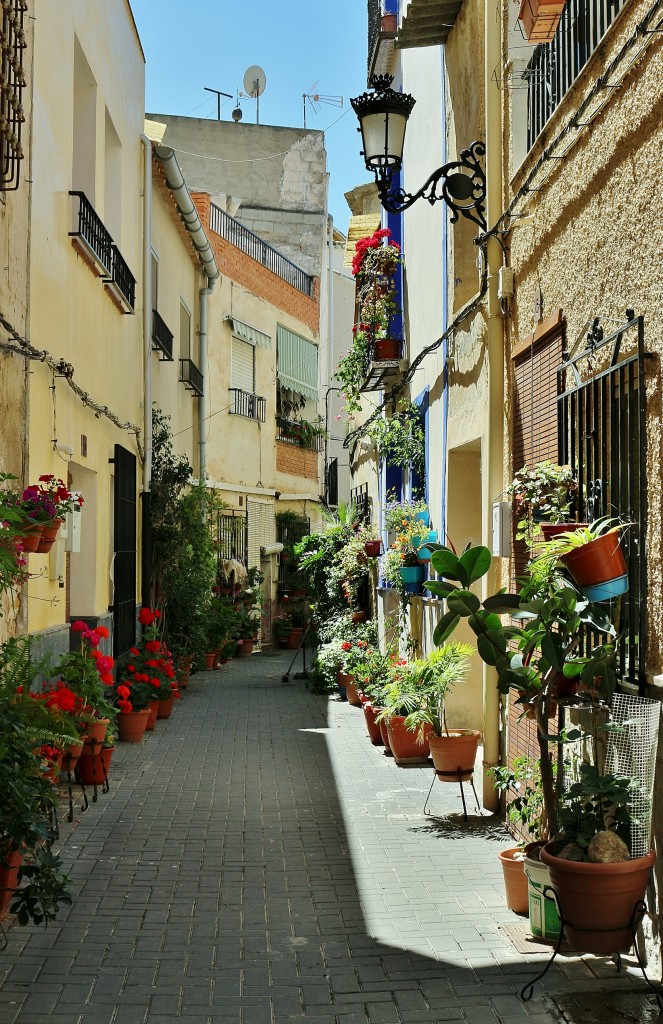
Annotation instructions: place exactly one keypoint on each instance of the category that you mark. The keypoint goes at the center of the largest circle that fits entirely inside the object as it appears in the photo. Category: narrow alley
(257, 861)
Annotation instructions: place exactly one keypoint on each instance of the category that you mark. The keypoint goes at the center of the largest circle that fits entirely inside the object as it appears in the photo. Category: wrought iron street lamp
(383, 115)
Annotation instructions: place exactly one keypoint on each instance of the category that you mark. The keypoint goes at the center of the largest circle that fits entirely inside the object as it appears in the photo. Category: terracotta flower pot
(454, 754)
(96, 731)
(152, 718)
(295, 637)
(352, 693)
(30, 536)
(515, 880)
(246, 650)
(599, 561)
(210, 658)
(131, 725)
(384, 733)
(71, 756)
(48, 537)
(404, 744)
(91, 769)
(386, 348)
(540, 19)
(165, 707)
(370, 715)
(358, 617)
(10, 862)
(551, 530)
(597, 901)
(373, 548)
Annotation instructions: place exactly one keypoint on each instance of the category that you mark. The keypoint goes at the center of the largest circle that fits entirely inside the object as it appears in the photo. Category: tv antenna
(219, 94)
(255, 81)
(316, 99)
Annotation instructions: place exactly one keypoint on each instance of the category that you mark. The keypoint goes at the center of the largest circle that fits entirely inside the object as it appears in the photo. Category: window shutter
(242, 375)
(535, 403)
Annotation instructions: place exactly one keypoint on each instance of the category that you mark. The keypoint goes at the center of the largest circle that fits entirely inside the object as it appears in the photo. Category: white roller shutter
(242, 368)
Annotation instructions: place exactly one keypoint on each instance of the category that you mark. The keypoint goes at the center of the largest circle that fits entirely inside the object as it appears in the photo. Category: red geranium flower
(79, 626)
(123, 691)
(145, 617)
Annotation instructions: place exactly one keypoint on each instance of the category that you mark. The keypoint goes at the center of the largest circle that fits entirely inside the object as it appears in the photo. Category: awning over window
(250, 334)
(297, 363)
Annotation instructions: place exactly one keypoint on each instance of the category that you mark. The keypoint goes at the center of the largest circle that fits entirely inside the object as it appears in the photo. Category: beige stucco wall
(70, 313)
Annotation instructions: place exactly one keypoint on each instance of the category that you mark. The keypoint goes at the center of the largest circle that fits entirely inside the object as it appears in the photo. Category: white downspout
(147, 309)
(202, 402)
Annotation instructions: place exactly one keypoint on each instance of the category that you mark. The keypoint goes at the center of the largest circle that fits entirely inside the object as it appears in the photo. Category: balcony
(386, 365)
(427, 23)
(191, 377)
(381, 39)
(301, 434)
(94, 242)
(162, 338)
(243, 403)
(262, 252)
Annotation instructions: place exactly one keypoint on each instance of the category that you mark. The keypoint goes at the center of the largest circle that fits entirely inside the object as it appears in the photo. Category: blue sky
(298, 43)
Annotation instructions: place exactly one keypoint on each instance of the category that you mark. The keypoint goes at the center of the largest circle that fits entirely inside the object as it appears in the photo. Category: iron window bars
(12, 83)
(191, 377)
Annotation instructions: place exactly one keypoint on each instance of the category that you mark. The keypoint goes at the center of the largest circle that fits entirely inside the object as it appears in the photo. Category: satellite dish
(255, 81)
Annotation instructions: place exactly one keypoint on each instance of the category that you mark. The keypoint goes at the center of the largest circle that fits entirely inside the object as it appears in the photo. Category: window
(297, 363)
(112, 180)
(242, 366)
(84, 126)
(185, 332)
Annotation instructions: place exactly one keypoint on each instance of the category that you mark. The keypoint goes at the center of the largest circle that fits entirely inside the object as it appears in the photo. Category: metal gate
(124, 565)
(603, 437)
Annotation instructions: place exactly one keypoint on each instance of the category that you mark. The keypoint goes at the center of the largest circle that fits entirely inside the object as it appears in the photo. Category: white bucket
(543, 917)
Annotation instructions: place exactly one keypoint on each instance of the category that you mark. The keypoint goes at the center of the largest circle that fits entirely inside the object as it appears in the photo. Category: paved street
(257, 861)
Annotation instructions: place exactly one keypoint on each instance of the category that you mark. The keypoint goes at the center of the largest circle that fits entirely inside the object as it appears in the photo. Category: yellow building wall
(71, 315)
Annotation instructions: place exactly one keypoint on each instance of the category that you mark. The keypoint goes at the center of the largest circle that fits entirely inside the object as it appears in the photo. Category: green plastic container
(544, 920)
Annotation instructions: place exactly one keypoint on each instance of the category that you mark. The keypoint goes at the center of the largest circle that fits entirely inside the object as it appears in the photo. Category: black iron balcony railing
(255, 247)
(374, 19)
(555, 66)
(191, 376)
(162, 338)
(98, 243)
(12, 115)
(243, 403)
(123, 279)
(304, 435)
(92, 232)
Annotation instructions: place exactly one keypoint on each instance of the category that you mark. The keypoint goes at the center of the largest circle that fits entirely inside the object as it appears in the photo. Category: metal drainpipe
(146, 496)
(495, 344)
(204, 295)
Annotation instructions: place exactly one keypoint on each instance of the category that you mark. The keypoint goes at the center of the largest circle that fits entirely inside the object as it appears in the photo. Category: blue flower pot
(423, 517)
(606, 591)
(424, 551)
(412, 574)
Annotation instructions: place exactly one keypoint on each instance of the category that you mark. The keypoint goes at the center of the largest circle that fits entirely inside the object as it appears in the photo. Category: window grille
(12, 117)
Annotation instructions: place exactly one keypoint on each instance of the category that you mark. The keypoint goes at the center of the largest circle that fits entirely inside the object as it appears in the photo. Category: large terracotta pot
(515, 879)
(246, 649)
(91, 769)
(454, 755)
(294, 638)
(10, 862)
(49, 534)
(403, 743)
(96, 731)
(165, 707)
(131, 725)
(597, 901)
(370, 714)
(352, 693)
(210, 658)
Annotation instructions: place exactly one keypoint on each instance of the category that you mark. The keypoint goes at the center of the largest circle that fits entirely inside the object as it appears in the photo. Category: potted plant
(527, 659)
(542, 497)
(540, 19)
(63, 501)
(247, 632)
(371, 671)
(593, 555)
(373, 548)
(404, 694)
(453, 750)
(400, 439)
(282, 628)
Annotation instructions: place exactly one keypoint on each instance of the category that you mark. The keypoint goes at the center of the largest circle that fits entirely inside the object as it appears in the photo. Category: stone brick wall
(290, 458)
(235, 264)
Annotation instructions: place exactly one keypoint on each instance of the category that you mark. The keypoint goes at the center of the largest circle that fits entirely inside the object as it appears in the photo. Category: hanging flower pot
(598, 563)
(540, 19)
(386, 348)
(373, 548)
(551, 530)
(31, 536)
(424, 552)
(48, 537)
(413, 577)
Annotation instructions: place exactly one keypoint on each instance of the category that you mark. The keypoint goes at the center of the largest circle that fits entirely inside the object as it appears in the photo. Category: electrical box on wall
(505, 283)
(73, 527)
(501, 547)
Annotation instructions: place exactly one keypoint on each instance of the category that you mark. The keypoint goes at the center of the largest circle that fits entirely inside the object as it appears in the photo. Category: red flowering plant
(149, 674)
(374, 266)
(58, 494)
(88, 672)
(371, 671)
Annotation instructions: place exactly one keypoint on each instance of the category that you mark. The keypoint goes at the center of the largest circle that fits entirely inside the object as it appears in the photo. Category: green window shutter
(242, 366)
(297, 363)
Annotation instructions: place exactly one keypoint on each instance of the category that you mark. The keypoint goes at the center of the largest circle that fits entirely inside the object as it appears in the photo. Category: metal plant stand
(70, 793)
(447, 777)
(639, 910)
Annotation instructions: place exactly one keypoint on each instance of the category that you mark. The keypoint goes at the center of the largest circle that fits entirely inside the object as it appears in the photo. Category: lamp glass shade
(383, 136)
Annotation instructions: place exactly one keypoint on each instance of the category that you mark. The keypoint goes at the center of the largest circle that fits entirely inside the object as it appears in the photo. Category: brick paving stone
(257, 861)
